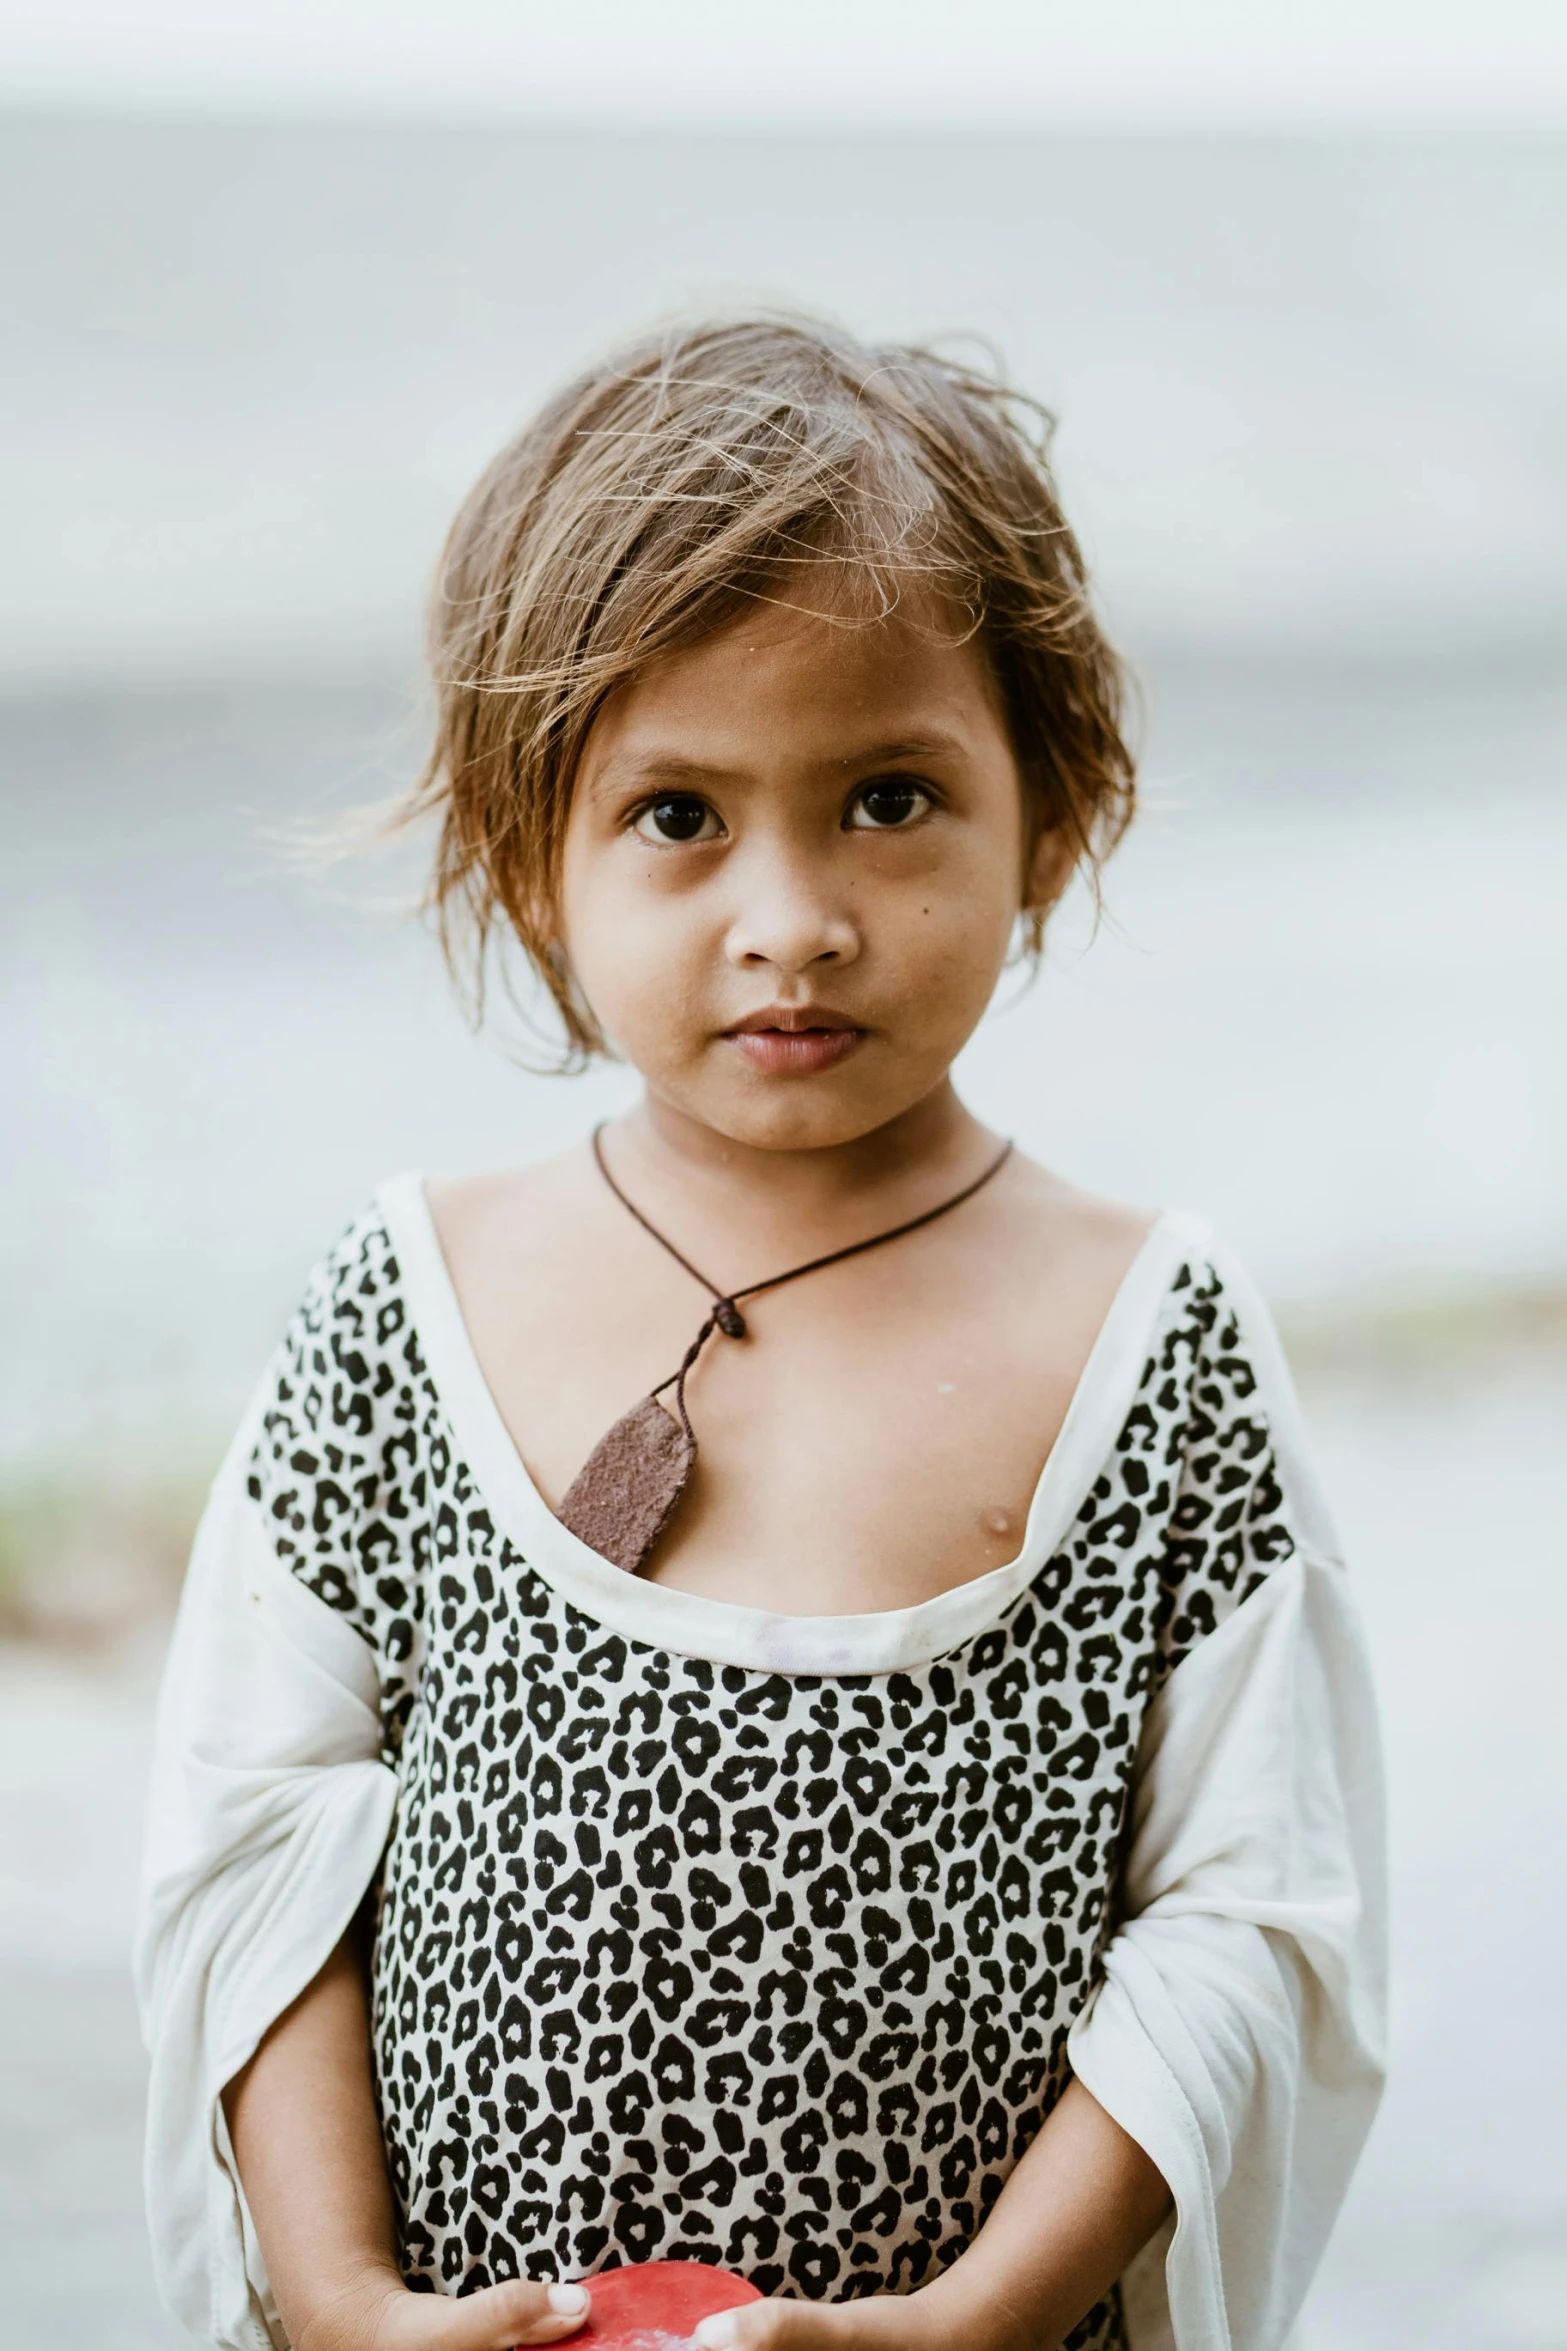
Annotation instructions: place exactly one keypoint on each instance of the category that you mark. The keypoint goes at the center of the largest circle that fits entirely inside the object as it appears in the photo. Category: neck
(896, 1169)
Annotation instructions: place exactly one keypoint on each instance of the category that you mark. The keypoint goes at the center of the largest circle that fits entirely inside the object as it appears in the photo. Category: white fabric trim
(879, 1642)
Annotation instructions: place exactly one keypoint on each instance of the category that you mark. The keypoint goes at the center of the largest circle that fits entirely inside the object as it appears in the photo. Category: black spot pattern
(677, 1959)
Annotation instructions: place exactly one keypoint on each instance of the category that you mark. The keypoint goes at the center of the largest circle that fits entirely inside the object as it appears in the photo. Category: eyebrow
(667, 767)
(898, 750)
(671, 769)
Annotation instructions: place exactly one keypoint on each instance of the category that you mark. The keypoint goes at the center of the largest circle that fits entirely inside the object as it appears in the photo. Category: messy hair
(703, 467)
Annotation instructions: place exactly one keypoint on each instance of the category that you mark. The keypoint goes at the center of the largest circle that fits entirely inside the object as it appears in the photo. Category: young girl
(776, 1691)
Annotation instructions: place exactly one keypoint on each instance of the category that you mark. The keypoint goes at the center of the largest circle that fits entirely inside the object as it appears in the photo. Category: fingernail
(718, 2332)
(568, 2301)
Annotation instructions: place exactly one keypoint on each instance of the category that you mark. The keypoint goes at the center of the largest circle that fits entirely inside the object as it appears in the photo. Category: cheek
(957, 921)
(638, 951)
(950, 969)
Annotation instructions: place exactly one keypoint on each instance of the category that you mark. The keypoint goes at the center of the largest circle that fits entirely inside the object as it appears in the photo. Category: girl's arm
(1083, 2200)
(307, 2142)
(1081, 2203)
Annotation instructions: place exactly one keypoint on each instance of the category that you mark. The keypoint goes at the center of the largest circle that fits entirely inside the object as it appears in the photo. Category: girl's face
(793, 862)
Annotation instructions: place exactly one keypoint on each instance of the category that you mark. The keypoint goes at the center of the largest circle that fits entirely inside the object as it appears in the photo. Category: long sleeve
(269, 1810)
(1237, 2032)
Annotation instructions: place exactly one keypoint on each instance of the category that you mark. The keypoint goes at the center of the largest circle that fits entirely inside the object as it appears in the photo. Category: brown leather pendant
(623, 1496)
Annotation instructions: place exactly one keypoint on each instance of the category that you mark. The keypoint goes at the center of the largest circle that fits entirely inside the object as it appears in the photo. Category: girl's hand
(937, 2318)
(382, 2315)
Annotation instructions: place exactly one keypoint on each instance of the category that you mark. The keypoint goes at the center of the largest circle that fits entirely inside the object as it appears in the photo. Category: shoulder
(1239, 1363)
(349, 1338)
(482, 1222)
(352, 1297)
(1067, 1249)
(1213, 1353)
(1175, 1279)
(1207, 1473)
(342, 1402)
(1216, 1409)
(1065, 1213)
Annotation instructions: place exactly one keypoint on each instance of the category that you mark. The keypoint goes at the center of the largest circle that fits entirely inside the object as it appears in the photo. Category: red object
(649, 2298)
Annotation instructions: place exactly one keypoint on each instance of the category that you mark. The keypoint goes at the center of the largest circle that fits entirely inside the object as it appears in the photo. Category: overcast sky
(830, 60)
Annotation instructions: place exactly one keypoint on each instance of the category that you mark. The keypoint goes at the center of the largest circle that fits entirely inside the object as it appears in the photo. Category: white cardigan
(1237, 2032)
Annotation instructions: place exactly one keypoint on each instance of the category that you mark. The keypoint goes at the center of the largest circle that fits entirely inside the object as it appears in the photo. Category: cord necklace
(625, 1493)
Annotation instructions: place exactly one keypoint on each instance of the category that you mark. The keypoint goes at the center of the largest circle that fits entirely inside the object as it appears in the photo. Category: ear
(1051, 864)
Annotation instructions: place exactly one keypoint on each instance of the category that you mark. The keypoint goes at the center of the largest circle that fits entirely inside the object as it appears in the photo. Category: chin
(795, 1113)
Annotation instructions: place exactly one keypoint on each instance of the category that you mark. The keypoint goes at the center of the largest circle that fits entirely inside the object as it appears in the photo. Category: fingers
(565, 2308)
(492, 2321)
(751, 2328)
(779, 2326)
(878, 2322)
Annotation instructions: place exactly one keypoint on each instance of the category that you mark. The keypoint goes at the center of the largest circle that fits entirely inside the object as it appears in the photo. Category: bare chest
(849, 1465)
(876, 1438)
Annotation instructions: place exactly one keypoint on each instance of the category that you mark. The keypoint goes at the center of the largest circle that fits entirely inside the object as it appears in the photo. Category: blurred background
(277, 281)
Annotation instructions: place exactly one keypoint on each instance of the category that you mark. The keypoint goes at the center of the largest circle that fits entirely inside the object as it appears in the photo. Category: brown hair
(701, 467)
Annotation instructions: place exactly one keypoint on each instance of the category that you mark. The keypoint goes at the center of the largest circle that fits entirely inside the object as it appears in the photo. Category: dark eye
(883, 808)
(680, 817)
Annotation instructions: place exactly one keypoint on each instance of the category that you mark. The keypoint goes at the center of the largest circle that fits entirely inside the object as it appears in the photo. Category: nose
(790, 916)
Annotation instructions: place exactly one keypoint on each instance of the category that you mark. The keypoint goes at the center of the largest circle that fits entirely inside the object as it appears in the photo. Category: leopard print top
(682, 1958)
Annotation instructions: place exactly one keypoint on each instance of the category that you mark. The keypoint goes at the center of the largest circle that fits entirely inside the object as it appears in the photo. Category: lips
(795, 1040)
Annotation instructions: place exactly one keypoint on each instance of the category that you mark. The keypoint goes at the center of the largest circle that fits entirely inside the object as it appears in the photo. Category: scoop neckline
(726, 1632)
